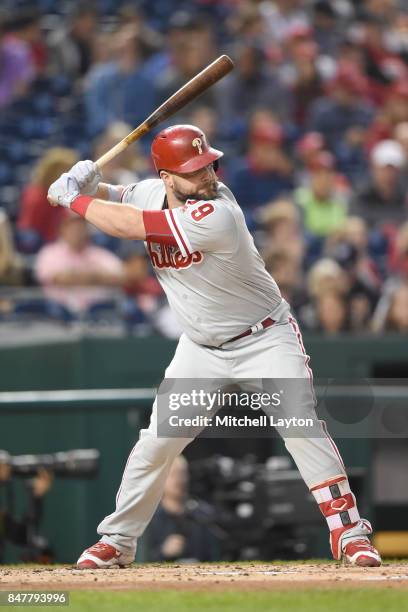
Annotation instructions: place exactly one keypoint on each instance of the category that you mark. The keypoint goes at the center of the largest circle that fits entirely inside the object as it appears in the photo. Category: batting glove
(63, 191)
(87, 175)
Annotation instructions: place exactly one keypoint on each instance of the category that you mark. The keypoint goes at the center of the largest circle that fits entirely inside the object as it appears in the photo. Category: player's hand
(63, 191)
(87, 175)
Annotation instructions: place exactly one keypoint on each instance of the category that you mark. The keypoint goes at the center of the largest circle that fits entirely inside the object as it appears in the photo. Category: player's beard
(209, 192)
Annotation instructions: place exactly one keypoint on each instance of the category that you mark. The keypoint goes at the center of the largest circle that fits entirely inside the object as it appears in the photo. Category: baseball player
(236, 326)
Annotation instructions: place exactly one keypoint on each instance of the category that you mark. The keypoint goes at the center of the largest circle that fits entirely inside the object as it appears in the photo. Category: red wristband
(80, 204)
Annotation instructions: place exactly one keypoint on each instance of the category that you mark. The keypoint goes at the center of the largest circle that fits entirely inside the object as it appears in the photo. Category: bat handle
(113, 152)
(141, 129)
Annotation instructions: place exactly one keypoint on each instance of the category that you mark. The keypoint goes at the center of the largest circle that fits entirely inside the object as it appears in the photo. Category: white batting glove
(87, 175)
(63, 191)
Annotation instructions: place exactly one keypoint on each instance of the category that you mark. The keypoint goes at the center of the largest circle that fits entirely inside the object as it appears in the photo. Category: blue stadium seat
(34, 127)
(106, 242)
(9, 199)
(131, 314)
(18, 151)
(102, 312)
(60, 85)
(40, 308)
(6, 173)
(44, 104)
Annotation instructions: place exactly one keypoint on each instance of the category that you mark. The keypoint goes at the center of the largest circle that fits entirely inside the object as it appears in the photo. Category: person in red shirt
(36, 223)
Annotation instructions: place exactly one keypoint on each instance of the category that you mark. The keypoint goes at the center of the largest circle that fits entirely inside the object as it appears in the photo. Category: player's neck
(172, 201)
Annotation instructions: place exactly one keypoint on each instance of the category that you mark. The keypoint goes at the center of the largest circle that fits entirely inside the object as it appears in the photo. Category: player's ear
(166, 178)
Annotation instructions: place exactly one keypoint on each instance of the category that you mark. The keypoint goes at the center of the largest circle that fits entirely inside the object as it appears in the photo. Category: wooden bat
(195, 87)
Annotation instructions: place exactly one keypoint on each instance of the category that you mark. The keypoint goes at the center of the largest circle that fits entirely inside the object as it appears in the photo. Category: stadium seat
(40, 308)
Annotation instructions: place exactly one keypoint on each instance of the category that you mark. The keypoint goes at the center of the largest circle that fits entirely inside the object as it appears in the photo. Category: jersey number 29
(202, 211)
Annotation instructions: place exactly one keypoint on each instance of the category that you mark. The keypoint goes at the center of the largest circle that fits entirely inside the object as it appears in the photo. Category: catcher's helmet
(182, 148)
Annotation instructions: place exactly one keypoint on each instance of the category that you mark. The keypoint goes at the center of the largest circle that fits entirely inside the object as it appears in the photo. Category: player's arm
(111, 193)
(120, 221)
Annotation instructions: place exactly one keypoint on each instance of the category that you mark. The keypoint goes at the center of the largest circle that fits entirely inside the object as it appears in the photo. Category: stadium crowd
(313, 122)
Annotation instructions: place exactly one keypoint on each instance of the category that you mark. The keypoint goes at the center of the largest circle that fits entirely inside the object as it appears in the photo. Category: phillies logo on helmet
(197, 142)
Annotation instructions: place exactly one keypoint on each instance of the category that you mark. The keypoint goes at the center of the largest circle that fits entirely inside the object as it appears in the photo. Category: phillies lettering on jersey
(207, 263)
(165, 256)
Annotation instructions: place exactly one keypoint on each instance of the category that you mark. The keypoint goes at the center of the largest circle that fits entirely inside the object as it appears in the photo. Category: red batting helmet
(182, 148)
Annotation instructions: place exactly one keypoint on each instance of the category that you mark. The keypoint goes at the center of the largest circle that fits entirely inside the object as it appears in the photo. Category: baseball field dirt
(242, 587)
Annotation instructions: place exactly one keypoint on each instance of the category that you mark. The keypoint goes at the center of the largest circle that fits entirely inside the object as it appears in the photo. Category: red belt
(268, 322)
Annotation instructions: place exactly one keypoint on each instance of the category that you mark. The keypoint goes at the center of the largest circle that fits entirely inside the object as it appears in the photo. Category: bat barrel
(191, 90)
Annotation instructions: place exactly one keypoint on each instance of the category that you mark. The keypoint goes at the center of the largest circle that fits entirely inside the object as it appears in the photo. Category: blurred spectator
(119, 90)
(349, 248)
(382, 199)
(265, 172)
(250, 86)
(71, 47)
(302, 72)
(180, 529)
(401, 136)
(286, 269)
(397, 317)
(73, 272)
(25, 28)
(398, 261)
(17, 67)
(326, 27)
(323, 206)
(343, 112)
(24, 532)
(139, 284)
(130, 166)
(326, 278)
(281, 221)
(150, 40)
(38, 222)
(246, 23)
(390, 114)
(381, 64)
(398, 266)
(192, 47)
(207, 119)
(356, 234)
(307, 151)
(11, 265)
(332, 312)
(307, 81)
(282, 16)
(397, 35)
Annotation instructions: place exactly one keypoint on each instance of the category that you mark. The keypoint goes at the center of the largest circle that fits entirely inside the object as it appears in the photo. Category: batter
(236, 325)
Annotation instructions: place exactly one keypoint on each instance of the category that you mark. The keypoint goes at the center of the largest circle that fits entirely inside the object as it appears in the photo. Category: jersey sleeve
(129, 193)
(202, 226)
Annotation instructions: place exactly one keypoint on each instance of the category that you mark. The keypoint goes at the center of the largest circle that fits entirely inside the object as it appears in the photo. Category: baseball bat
(195, 87)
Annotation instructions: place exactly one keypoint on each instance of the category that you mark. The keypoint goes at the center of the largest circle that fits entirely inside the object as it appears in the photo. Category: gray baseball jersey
(207, 263)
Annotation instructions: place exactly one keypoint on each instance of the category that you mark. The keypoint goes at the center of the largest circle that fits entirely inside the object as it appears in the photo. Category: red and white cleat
(102, 555)
(361, 553)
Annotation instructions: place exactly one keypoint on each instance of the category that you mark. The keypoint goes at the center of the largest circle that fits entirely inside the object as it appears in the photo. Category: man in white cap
(382, 199)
